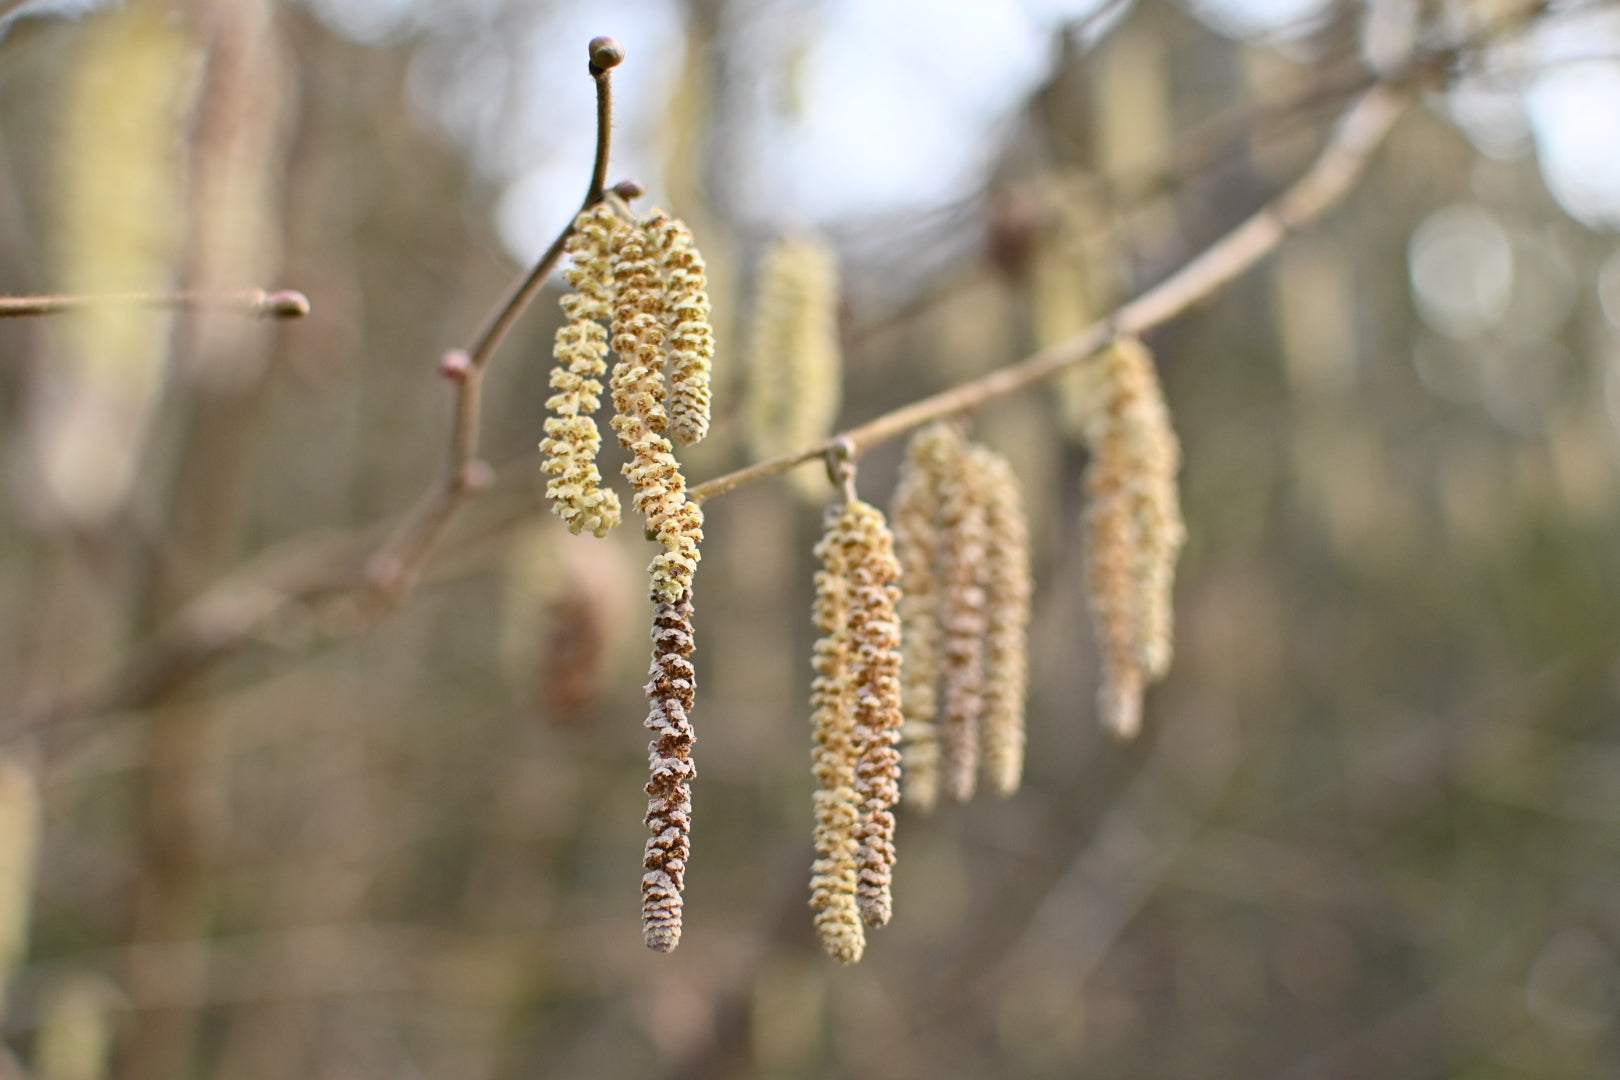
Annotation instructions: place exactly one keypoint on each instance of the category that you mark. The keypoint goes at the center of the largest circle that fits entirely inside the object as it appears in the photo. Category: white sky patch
(1261, 18)
(1573, 114)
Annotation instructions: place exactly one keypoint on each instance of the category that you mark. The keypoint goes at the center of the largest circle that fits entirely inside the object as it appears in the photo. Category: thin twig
(283, 304)
(395, 568)
(1328, 181)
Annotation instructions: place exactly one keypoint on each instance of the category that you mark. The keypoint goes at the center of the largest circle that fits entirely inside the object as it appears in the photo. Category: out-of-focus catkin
(20, 821)
(874, 636)
(795, 367)
(691, 339)
(669, 806)
(835, 756)
(1133, 532)
(572, 440)
(915, 513)
(963, 548)
(1007, 602)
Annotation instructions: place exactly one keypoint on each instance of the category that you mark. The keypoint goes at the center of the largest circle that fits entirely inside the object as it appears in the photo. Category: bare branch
(1328, 181)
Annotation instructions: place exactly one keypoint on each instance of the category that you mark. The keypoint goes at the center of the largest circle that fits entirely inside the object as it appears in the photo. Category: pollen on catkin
(1133, 533)
(691, 338)
(835, 756)
(572, 440)
(915, 514)
(963, 549)
(1006, 641)
(669, 806)
(795, 366)
(874, 636)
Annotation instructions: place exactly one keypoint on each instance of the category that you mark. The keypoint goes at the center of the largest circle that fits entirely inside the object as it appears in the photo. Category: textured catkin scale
(669, 806)
(1133, 533)
(638, 334)
(964, 544)
(1007, 602)
(572, 440)
(834, 757)
(915, 514)
(874, 634)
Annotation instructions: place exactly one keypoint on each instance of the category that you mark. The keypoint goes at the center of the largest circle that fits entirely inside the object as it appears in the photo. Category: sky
(912, 91)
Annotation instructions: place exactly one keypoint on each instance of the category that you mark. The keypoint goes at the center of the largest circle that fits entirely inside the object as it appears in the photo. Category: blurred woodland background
(290, 829)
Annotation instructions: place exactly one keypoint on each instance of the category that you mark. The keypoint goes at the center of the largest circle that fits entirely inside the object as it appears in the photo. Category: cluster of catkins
(646, 279)
(965, 594)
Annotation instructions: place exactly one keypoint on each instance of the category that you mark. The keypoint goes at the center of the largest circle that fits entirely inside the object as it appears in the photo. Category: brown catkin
(1133, 533)
(915, 513)
(669, 807)
(963, 548)
(691, 338)
(835, 756)
(874, 635)
(572, 440)
(1006, 639)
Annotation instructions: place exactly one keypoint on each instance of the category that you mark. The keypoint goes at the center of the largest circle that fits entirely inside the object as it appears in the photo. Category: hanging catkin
(572, 440)
(1133, 532)
(917, 543)
(20, 821)
(1007, 600)
(644, 307)
(794, 362)
(691, 339)
(963, 548)
(834, 757)
(874, 632)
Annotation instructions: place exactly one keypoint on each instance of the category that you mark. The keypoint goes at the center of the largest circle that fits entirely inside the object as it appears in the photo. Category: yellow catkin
(1133, 533)
(874, 636)
(572, 440)
(834, 756)
(691, 338)
(963, 548)
(795, 367)
(20, 821)
(915, 513)
(1007, 601)
(669, 806)
(78, 1016)
(119, 196)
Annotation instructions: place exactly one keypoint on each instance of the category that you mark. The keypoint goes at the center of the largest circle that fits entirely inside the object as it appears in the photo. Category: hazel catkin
(572, 440)
(1007, 603)
(1133, 532)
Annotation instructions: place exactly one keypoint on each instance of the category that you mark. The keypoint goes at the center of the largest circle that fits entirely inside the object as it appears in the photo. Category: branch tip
(286, 304)
(605, 53)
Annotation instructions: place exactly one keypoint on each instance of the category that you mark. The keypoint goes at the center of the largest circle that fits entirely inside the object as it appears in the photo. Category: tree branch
(396, 566)
(285, 304)
(1328, 181)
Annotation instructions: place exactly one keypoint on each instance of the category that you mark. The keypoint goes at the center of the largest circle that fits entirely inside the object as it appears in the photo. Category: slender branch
(284, 304)
(1328, 181)
(395, 568)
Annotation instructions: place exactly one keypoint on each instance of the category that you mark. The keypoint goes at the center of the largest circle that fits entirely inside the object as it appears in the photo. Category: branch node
(840, 459)
(629, 190)
(456, 365)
